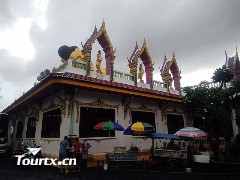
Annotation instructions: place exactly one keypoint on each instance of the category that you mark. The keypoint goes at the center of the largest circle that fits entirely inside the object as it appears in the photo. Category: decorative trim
(62, 104)
(97, 140)
(163, 112)
(52, 105)
(97, 103)
(143, 107)
(174, 111)
(78, 109)
(70, 105)
(35, 113)
(21, 117)
(126, 109)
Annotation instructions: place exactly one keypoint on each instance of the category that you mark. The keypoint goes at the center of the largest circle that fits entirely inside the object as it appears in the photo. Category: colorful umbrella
(139, 128)
(109, 126)
(191, 132)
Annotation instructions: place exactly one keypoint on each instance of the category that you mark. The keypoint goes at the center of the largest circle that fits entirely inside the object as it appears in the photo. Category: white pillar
(14, 135)
(24, 135)
(65, 124)
(38, 132)
(234, 125)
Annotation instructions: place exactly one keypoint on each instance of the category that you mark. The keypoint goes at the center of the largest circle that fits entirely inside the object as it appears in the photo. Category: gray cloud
(197, 31)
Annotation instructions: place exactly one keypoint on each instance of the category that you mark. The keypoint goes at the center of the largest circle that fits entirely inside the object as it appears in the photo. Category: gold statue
(140, 73)
(98, 62)
(76, 54)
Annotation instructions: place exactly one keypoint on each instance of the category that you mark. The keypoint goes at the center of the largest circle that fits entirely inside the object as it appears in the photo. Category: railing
(206, 84)
(159, 84)
(78, 65)
(121, 75)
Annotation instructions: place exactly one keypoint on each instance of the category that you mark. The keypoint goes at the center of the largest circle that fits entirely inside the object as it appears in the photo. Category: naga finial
(144, 41)
(173, 55)
(103, 24)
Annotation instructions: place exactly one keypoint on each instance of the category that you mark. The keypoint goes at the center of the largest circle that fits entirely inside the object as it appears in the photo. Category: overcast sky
(198, 31)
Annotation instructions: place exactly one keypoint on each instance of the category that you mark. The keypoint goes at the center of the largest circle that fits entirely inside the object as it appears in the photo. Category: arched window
(31, 127)
(19, 129)
(51, 124)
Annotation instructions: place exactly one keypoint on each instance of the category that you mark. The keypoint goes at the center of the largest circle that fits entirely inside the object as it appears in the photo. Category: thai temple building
(233, 63)
(73, 98)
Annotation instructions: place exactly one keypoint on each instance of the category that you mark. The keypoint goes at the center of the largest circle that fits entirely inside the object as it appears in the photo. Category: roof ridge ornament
(174, 56)
(236, 52)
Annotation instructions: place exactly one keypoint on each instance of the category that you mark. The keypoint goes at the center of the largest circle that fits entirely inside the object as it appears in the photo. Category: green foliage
(213, 103)
(223, 76)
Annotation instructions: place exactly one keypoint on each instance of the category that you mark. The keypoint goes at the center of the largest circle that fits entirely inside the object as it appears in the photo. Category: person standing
(85, 146)
(77, 154)
(63, 152)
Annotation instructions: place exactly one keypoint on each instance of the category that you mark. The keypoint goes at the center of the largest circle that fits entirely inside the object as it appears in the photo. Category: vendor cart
(164, 158)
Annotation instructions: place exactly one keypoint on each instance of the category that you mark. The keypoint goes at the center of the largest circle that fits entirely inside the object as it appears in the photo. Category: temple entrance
(174, 123)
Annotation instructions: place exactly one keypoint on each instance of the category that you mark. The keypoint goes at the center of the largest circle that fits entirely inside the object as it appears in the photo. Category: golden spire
(144, 41)
(173, 55)
(103, 24)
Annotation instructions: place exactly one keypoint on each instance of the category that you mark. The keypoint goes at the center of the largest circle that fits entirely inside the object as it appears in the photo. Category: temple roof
(134, 54)
(89, 40)
(233, 63)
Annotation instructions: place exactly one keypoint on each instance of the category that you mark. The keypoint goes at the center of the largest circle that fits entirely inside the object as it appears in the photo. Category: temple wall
(99, 144)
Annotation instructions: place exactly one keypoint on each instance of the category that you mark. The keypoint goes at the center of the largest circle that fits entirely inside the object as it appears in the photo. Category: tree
(210, 104)
(223, 76)
(215, 104)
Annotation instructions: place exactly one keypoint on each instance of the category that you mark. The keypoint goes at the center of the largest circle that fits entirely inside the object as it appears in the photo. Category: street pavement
(9, 170)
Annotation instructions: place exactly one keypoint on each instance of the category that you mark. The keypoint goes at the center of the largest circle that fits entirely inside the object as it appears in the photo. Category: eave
(58, 81)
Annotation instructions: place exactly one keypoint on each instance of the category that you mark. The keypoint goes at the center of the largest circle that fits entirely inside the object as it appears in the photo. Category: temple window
(31, 127)
(19, 129)
(51, 124)
(174, 123)
(140, 116)
(89, 117)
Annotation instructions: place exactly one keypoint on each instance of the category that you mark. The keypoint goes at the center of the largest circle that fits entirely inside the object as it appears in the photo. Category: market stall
(171, 157)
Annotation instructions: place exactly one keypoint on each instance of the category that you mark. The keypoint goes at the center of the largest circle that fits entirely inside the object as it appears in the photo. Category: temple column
(38, 133)
(87, 55)
(24, 135)
(234, 125)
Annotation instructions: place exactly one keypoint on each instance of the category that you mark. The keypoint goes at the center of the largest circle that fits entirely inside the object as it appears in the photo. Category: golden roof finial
(174, 55)
(103, 23)
(144, 41)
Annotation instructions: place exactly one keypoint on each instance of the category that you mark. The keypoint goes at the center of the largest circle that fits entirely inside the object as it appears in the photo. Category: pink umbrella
(191, 132)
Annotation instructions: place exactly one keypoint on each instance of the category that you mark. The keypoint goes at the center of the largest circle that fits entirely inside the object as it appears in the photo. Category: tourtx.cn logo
(44, 161)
